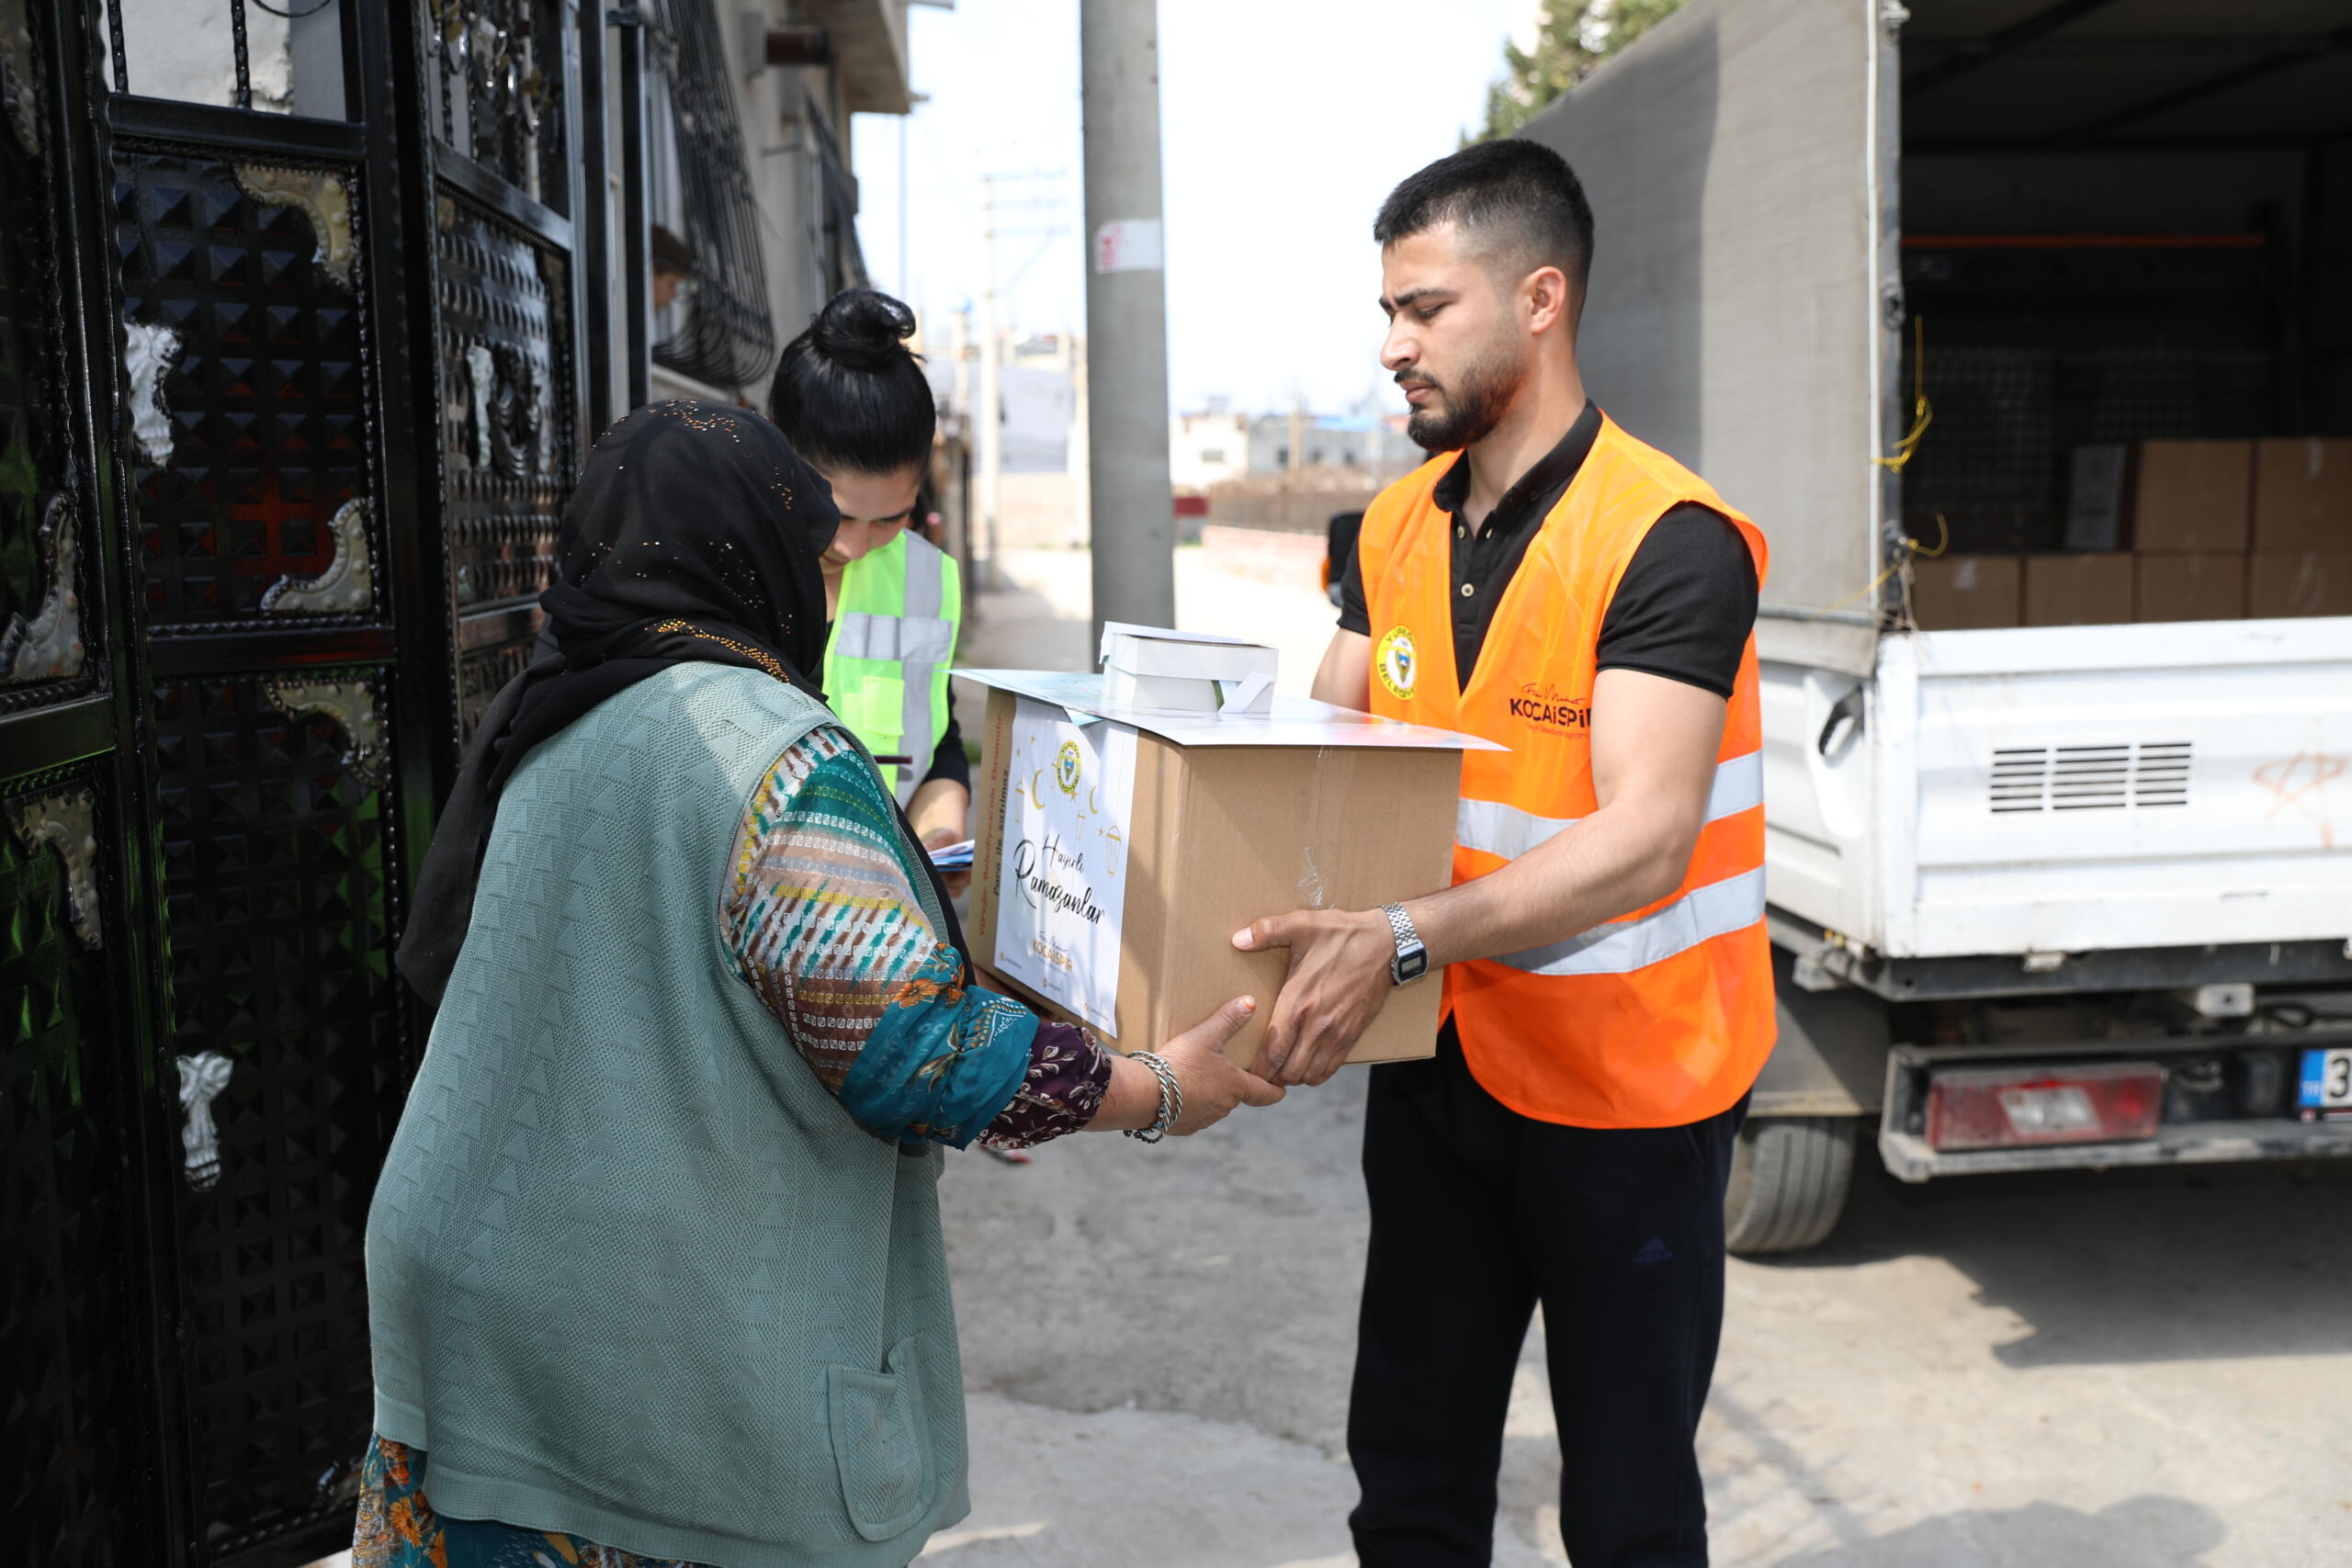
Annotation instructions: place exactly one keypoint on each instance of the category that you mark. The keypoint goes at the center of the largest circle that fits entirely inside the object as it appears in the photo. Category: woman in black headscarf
(654, 1264)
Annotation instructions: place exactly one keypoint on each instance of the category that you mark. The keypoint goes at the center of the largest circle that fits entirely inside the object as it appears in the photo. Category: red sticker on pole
(1127, 244)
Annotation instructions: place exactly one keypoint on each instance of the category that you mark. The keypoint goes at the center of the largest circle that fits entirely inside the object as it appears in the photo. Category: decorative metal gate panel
(513, 422)
(279, 486)
(252, 406)
(506, 457)
(77, 1342)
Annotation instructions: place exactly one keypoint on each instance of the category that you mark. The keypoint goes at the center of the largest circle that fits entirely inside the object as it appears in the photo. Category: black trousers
(1478, 1214)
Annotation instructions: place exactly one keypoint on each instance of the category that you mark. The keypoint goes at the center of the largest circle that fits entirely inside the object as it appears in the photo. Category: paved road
(2130, 1370)
(2137, 1370)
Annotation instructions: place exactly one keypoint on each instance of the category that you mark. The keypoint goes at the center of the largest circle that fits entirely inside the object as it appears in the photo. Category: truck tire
(1789, 1176)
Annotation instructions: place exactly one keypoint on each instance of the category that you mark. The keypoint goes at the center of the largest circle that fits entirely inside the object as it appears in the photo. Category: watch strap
(1408, 946)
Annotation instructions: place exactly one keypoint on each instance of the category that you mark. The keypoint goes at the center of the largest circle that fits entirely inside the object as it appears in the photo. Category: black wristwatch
(1412, 960)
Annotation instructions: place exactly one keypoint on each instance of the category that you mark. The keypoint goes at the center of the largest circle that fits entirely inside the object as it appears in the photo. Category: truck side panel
(1732, 320)
(2069, 789)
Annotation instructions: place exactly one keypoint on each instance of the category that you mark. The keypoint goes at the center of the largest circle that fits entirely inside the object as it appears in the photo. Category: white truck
(2040, 895)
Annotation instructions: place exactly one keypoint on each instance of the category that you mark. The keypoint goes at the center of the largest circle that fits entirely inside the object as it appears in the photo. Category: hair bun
(862, 329)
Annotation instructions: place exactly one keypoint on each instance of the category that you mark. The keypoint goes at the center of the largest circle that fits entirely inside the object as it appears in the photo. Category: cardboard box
(2302, 494)
(2193, 495)
(1967, 593)
(2200, 586)
(1128, 906)
(2095, 496)
(2078, 591)
(2299, 582)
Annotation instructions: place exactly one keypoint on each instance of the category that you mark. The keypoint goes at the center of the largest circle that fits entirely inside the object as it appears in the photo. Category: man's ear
(1550, 304)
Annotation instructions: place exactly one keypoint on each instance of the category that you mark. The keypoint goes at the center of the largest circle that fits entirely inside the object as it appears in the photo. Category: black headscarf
(695, 533)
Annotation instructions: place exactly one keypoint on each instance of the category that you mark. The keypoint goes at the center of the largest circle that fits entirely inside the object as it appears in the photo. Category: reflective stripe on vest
(1623, 946)
(1492, 828)
(886, 668)
(1658, 1019)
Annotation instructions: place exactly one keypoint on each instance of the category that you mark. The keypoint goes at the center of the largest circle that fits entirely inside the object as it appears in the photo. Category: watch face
(1412, 966)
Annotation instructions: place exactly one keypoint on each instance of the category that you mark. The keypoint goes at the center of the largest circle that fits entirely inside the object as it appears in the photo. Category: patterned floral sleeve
(821, 918)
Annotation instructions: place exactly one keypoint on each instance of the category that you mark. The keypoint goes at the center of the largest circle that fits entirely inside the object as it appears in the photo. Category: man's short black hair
(1517, 197)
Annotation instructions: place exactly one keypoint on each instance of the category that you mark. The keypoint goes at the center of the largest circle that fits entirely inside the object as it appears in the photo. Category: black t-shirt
(947, 758)
(1683, 609)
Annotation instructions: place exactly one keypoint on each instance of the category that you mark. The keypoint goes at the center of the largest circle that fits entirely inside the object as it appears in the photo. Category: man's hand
(1339, 980)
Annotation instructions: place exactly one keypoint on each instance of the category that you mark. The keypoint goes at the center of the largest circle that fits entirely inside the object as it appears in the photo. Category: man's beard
(1473, 405)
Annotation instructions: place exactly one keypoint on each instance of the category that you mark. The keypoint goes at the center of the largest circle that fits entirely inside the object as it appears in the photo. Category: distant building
(1375, 443)
(1218, 445)
(1208, 447)
(1036, 394)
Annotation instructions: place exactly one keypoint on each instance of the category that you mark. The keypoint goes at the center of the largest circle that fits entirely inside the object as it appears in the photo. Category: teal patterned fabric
(823, 917)
(399, 1528)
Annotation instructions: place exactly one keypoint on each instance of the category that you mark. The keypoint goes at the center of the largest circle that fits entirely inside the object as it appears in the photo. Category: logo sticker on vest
(1066, 769)
(1549, 712)
(1397, 663)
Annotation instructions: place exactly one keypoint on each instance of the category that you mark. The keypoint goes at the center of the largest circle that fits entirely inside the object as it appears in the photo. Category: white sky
(1283, 124)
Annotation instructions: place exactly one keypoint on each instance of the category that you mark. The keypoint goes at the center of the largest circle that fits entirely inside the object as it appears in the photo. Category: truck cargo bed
(2064, 790)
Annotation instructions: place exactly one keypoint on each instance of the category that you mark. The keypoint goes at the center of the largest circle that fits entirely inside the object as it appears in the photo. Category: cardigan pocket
(877, 1446)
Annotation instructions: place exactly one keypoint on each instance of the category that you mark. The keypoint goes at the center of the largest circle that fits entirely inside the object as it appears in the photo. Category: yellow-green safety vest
(894, 637)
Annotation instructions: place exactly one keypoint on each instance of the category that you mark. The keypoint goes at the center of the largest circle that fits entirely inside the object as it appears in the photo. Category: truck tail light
(1996, 1107)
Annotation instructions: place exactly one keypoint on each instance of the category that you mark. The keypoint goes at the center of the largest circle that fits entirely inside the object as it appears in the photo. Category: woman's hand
(956, 882)
(1213, 1085)
(941, 814)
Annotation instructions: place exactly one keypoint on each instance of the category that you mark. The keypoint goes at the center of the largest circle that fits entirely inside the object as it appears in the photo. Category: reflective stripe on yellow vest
(1663, 1017)
(893, 639)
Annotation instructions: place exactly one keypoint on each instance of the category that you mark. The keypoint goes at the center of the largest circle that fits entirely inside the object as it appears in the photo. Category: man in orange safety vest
(1550, 584)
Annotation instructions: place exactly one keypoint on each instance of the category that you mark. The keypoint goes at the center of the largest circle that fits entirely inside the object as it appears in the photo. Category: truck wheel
(1789, 1179)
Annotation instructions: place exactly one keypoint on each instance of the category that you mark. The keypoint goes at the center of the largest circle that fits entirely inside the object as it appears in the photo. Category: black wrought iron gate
(288, 402)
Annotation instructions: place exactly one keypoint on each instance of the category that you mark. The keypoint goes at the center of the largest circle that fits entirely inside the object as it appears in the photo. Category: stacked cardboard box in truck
(1967, 593)
(2189, 528)
(2169, 531)
(2302, 528)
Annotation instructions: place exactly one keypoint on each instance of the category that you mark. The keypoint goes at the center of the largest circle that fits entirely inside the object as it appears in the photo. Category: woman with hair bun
(853, 400)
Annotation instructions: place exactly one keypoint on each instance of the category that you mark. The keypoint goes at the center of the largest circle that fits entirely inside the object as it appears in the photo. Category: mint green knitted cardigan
(633, 1273)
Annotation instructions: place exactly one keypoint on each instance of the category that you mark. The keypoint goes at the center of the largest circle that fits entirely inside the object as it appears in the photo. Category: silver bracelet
(1171, 1097)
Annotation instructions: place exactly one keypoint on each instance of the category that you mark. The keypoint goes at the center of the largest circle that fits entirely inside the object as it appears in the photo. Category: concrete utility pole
(988, 414)
(1132, 503)
(1082, 468)
(967, 541)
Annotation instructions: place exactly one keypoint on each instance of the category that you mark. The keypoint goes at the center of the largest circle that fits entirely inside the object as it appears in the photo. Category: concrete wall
(1307, 512)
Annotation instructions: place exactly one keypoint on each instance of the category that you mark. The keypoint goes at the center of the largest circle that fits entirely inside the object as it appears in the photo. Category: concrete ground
(2134, 1369)
(2142, 1369)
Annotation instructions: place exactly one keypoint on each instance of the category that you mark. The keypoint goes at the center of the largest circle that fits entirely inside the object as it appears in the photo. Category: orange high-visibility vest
(1662, 1017)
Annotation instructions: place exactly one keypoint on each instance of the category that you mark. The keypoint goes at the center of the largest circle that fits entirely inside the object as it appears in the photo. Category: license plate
(2328, 1079)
